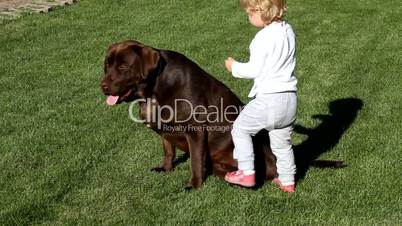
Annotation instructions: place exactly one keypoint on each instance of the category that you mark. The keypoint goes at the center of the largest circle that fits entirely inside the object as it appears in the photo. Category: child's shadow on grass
(324, 137)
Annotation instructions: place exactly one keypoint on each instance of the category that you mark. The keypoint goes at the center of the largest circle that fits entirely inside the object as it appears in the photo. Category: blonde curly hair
(270, 10)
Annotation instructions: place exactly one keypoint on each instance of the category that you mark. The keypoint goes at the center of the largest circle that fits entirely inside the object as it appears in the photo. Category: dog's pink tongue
(112, 100)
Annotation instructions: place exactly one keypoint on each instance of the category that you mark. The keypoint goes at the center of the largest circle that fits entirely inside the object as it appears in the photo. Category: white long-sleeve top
(272, 60)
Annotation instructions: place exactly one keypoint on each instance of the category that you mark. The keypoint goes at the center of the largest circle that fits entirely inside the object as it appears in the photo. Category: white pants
(276, 113)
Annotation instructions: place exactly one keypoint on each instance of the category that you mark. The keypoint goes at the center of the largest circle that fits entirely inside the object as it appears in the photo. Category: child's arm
(248, 70)
(253, 68)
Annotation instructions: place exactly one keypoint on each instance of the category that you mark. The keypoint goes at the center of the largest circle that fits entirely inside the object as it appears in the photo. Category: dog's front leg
(198, 150)
(169, 153)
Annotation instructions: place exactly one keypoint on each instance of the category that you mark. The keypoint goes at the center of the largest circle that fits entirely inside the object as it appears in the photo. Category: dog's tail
(328, 164)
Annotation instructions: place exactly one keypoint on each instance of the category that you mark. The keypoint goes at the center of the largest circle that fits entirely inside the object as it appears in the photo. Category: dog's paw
(161, 169)
(158, 169)
(193, 184)
(188, 187)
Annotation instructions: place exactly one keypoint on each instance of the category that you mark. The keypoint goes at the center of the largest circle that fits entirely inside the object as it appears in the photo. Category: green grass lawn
(67, 158)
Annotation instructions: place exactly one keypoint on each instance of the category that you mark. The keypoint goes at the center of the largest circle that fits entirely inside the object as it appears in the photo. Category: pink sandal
(239, 178)
(291, 188)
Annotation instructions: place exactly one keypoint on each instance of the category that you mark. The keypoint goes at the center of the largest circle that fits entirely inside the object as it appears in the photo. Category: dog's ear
(108, 55)
(149, 57)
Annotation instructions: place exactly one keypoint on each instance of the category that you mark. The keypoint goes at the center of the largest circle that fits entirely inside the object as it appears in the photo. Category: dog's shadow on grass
(321, 139)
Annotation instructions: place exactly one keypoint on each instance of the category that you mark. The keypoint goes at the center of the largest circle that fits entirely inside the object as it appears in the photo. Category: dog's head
(127, 66)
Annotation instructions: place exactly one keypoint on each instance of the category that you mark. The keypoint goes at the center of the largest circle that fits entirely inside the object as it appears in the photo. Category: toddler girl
(271, 66)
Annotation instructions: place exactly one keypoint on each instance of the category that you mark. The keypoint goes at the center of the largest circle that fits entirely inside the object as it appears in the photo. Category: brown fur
(133, 71)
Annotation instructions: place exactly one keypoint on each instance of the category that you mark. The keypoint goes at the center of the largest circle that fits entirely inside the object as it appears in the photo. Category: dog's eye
(123, 67)
(109, 61)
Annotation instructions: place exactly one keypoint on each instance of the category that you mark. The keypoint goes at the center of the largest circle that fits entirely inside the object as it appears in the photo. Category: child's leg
(282, 148)
(251, 120)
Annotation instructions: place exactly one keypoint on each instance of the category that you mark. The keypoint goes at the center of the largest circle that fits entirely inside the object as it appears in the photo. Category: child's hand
(228, 63)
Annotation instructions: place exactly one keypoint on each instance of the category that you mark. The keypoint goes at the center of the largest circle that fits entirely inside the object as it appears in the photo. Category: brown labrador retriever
(186, 106)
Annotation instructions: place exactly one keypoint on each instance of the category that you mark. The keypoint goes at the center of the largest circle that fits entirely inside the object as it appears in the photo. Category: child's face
(254, 17)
